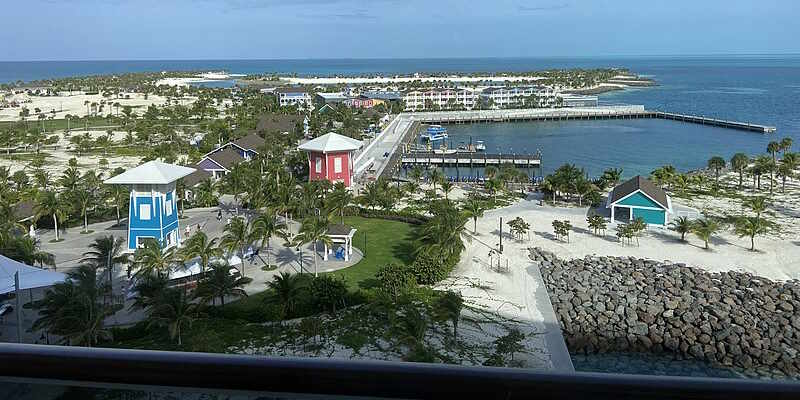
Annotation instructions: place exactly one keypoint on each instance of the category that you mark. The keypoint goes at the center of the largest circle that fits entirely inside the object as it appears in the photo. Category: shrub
(428, 269)
(395, 279)
(328, 292)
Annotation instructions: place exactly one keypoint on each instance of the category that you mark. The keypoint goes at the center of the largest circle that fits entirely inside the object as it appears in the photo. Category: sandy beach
(76, 105)
(405, 79)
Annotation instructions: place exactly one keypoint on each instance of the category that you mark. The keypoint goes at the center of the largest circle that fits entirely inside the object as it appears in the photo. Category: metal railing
(157, 371)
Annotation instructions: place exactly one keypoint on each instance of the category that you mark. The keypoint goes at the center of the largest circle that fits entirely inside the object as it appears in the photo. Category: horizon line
(687, 55)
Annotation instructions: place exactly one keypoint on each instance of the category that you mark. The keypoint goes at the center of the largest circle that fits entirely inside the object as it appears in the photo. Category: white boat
(435, 132)
(479, 146)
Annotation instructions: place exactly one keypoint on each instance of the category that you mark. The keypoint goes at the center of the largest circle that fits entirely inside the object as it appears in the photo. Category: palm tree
(704, 229)
(372, 195)
(785, 171)
(235, 180)
(441, 235)
(287, 290)
(682, 225)
(415, 174)
(237, 236)
(436, 176)
(106, 252)
(25, 249)
(449, 307)
(265, 226)
(118, 194)
(199, 245)
(220, 283)
(447, 187)
(493, 186)
(314, 230)
(205, 194)
(739, 163)
(612, 176)
(786, 144)
(73, 309)
(50, 203)
(174, 310)
(756, 204)
(750, 227)
(473, 208)
(772, 148)
(151, 259)
(339, 199)
(716, 163)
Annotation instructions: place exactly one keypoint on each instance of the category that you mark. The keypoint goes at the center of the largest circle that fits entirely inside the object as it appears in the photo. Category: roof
(331, 142)
(226, 158)
(382, 95)
(151, 172)
(339, 229)
(249, 142)
(277, 123)
(29, 277)
(290, 90)
(332, 96)
(196, 177)
(639, 183)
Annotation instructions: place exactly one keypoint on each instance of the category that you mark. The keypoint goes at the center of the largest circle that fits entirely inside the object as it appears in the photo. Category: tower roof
(152, 173)
(331, 142)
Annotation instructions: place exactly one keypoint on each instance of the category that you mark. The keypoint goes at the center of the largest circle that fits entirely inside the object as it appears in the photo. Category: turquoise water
(638, 146)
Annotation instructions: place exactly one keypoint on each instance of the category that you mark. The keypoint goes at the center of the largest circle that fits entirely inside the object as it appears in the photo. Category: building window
(318, 165)
(144, 212)
(168, 207)
(337, 165)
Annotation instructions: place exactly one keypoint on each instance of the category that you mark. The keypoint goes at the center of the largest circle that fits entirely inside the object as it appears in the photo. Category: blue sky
(272, 29)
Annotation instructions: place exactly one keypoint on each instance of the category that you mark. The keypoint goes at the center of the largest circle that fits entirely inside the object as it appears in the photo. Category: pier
(470, 159)
(579, 113)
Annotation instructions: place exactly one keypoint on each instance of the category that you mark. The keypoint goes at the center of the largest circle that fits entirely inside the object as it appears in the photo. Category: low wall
(624, 304)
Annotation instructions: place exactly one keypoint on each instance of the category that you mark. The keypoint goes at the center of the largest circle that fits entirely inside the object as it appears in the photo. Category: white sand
(75, 105)
(405, 79)
(776, 258)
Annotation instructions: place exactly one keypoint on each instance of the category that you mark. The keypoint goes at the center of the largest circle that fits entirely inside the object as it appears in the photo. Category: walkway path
(517, 293)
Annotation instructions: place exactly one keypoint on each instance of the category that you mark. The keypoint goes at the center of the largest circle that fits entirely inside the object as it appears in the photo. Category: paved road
(386, 142)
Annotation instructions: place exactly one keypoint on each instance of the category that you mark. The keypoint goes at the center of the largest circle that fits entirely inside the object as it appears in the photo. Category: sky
(302, 29)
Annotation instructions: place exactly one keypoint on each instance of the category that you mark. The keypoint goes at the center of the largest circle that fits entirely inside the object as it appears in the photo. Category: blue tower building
(153, 211)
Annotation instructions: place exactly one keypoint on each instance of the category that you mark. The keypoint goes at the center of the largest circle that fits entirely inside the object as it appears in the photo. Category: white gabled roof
(331, 142)
(151, 172)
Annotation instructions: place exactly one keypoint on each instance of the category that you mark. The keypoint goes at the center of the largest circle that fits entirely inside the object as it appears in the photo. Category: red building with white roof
(330, 157)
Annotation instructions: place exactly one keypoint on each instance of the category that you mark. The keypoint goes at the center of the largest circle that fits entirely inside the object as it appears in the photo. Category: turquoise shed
(638, 197)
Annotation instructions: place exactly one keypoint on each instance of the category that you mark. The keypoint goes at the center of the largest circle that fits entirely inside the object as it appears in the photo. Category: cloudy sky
(273, 29)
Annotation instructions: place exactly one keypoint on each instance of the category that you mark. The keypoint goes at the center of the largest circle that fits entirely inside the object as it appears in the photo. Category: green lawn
(387, 242)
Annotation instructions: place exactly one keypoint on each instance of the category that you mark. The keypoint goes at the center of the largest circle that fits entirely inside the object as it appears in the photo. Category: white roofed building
(330, 157)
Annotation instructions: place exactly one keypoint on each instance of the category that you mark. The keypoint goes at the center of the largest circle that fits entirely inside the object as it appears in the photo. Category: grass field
(386, 242)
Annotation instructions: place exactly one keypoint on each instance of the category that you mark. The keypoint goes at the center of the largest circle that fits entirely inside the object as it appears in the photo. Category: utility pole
(19, 307)
(501, 235)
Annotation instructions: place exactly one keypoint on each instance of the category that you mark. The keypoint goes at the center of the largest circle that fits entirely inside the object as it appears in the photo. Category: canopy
(331, 142)
(29, 277)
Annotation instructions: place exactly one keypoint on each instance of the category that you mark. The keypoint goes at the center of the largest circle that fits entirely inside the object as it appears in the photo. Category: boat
(435, 132)
(479, 146)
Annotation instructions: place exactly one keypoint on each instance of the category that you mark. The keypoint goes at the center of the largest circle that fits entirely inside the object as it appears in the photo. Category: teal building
(638, 197)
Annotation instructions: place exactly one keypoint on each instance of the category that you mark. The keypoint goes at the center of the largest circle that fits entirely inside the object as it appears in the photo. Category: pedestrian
(219, 215)
(187, 231)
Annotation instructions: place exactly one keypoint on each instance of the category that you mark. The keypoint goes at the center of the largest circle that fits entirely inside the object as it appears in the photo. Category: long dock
(470, 159)
(580, 113)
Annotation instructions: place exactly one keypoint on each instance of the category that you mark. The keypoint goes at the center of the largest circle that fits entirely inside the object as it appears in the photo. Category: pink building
(330, 157)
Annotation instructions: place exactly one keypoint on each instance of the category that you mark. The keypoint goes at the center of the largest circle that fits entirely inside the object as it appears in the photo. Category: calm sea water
(758, 89)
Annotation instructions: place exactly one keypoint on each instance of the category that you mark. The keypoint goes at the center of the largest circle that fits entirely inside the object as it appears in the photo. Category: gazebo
(153, 211)
(640, 198)
(343, 235)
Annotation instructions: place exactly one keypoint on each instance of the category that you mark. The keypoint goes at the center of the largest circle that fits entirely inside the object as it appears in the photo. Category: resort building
(639, 198)
(330, 157)
(441, 99)
(522, 96)
(153, 211)
(323, 98)
(576, 100)
(219, 163)
(191, 181)
(289, 96)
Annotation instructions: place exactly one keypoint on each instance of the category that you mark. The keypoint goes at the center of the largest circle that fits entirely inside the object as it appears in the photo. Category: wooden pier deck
(582, 113)
(470, 159)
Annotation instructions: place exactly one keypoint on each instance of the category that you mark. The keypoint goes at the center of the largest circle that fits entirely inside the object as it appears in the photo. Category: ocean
(763, 89)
